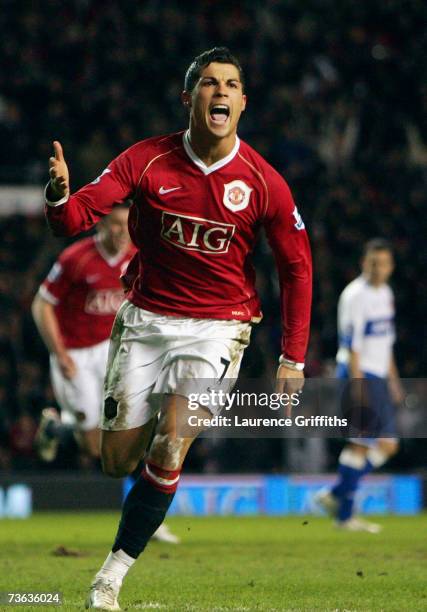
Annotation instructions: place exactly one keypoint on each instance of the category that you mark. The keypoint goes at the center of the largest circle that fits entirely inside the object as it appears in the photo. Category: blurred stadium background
(337, 103)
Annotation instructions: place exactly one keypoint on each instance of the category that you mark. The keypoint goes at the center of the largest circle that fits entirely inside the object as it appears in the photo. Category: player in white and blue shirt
(366, 337)
(366, 327)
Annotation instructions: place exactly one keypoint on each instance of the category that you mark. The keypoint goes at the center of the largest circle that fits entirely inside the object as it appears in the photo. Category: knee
(94, 453)
(117, 468)
(358, 449)
(389, 447)
(91, 446)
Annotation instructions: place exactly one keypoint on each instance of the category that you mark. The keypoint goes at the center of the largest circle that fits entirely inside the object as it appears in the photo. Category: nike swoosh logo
(162, 190)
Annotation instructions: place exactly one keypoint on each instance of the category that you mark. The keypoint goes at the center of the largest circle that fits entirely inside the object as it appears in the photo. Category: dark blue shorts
(375, 416)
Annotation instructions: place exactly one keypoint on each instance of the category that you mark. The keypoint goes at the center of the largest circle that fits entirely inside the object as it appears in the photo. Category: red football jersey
(84, 286)
(195, 227)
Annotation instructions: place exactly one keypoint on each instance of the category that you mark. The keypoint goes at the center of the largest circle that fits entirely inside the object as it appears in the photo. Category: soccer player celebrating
(366, 337)
(200, 197)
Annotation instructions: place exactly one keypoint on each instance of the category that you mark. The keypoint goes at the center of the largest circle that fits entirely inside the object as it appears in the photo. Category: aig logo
(103, 302)
(196, 234)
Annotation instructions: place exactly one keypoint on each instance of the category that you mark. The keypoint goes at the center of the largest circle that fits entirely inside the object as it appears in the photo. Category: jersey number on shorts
(225, 362)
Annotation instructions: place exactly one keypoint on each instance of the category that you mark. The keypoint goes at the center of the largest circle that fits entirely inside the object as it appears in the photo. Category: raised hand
(59, 175)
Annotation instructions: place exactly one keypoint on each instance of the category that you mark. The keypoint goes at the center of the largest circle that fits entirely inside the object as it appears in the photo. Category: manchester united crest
(236, 195)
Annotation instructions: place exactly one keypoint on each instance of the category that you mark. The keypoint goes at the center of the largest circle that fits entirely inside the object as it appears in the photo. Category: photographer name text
(238, 421)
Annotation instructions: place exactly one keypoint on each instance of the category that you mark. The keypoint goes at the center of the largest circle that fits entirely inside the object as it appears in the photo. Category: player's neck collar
(366, 280)
(112, 260)
(200, 164)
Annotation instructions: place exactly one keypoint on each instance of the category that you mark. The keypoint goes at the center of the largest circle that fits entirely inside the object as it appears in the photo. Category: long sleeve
(289, 242)
(86, 207)
(351, 320)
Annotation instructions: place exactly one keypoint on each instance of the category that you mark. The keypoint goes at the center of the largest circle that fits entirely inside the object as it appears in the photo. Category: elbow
(35, 308)
(59, 223)
(60, 230)
(299, 272)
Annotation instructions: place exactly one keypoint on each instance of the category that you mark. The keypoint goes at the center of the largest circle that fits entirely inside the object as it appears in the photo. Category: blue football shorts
(375, 417)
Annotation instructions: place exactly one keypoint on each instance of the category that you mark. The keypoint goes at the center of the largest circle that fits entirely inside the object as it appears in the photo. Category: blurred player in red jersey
(74, 311)
(200, 197)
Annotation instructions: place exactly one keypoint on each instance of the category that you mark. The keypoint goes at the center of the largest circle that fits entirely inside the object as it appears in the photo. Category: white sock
(377, 457)
(116, 565)
(350, 458)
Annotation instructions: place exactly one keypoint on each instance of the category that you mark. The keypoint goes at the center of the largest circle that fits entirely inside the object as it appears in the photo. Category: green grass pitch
(230, 563)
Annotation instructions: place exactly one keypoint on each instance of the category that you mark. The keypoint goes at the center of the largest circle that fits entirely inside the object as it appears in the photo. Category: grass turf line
(225, 563)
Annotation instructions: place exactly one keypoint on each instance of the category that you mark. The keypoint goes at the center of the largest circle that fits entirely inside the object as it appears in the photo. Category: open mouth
(219, 113)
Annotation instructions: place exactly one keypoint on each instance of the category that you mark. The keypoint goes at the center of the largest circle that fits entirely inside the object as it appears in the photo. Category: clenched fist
(58, 171)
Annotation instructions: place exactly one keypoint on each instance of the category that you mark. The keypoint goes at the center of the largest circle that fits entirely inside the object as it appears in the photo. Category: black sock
(137, 471)
(143, 512)
(53, 429)
(66, 434)
(63, 431)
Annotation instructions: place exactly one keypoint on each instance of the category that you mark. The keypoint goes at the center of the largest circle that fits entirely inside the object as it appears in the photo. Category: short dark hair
(377, 244)
(217, 54)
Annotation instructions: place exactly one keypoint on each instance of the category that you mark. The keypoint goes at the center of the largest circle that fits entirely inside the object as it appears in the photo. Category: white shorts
(81, 398)
(152, 355)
